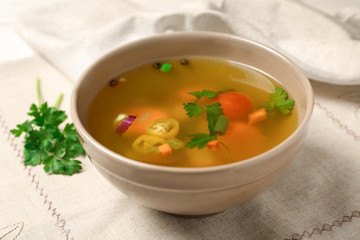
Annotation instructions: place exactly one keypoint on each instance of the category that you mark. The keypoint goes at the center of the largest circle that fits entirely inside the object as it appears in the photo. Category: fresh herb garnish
(221, 125)
(199, 140)
(217, 122)
(203, 93)
(212, 113)
(45, 143)
(279, 100)
(193, 109)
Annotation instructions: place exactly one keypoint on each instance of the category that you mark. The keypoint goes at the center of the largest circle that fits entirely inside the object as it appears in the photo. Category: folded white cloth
(72, 34)
(351, 19)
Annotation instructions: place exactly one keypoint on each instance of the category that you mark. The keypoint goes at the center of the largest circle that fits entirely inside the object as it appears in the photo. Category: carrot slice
(165, 149)
(244, 140)
(237, 106)
(257, 116)
(214, 144)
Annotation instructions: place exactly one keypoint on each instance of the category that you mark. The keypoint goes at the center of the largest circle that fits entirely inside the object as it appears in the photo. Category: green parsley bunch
(45, 143)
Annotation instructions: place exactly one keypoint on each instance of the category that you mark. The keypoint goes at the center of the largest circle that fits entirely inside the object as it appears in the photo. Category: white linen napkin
(72, 34)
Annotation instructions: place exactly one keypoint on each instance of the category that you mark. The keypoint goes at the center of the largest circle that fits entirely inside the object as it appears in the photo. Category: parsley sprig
(212, 111)
(44, 141)
(200, 140)
(203, 93)
(279, 100)
(217, 122)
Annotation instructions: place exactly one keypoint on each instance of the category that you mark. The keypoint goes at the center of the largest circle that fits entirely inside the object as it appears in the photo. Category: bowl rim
(258, 159)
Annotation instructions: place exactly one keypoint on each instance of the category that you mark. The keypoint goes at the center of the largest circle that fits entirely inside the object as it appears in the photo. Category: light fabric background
(84, 30)
(317, 198)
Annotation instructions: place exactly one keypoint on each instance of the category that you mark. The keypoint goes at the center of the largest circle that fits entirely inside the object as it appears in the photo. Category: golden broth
(148, 94)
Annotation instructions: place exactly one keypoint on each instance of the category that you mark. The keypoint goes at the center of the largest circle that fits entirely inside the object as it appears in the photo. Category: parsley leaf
(200, 140)
(64, 166)
(25, 127)
(193, 109)
(45, 143)
(279, 100)
(217, 122)
(203, 93)
(212, 113)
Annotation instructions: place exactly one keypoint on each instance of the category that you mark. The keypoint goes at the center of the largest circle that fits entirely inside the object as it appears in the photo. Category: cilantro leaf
(45, 143)
(203, 93)
(279, 100)
(193, 109)
(212, 113)
(200, 140)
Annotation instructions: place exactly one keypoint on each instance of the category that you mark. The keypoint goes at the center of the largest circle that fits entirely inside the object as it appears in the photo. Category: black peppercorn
(114, 83)
(157, 65)
(184, 62)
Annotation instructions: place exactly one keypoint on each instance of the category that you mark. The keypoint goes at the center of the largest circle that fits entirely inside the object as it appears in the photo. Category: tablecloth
(316, 198)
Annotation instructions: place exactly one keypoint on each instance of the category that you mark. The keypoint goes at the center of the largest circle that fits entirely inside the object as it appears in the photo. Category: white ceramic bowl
(192, 191)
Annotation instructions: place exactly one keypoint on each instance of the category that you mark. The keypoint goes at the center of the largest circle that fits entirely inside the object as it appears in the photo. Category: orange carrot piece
(214, 144)
(165, 149)
(244, 140)
(236, 105)
(257, 116)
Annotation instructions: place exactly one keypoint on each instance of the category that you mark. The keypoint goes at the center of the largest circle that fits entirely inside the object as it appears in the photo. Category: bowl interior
(223, 46)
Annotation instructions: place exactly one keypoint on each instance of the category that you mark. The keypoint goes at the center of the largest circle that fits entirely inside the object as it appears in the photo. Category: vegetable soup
(191, 112)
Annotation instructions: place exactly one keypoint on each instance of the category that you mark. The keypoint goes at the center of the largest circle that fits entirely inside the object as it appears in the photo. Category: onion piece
(119, 118)
(125, 124)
